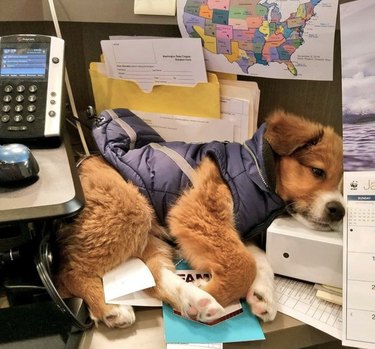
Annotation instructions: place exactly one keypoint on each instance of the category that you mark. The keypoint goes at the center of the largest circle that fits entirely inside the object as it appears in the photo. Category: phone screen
(24, 62)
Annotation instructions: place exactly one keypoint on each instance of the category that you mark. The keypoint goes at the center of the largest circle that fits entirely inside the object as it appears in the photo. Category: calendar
(359, 260)
(359, 174)
(361, 211)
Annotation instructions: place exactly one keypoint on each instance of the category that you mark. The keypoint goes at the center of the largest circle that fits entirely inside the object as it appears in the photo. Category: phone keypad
(19, 105)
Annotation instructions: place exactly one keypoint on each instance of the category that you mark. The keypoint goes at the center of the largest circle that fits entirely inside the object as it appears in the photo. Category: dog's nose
(335, 210)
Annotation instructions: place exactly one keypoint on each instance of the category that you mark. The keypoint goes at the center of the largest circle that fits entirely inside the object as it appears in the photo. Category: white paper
(232, 127)
(235, 111)
(130, 276)
(134, 37)
(232, 92)
(155, 7)
(138, 298)
(298, 299)
(195, 346)
(150, 62)
(190, 129)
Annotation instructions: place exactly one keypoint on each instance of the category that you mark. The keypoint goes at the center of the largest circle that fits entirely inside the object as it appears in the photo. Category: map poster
(284, 39)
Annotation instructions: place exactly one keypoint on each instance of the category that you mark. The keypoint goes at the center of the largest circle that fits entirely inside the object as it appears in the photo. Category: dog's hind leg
(202, 223)
(90, 289)
(188, 299)
(113, 226)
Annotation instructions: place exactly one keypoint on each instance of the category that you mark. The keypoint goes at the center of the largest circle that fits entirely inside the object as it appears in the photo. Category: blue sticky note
(240, 328)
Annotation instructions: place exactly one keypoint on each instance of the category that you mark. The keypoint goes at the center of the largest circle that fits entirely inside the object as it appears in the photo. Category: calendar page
(357, 27)
(359, 260)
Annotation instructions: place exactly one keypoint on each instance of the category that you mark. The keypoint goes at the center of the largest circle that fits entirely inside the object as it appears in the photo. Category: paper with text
(151, 62)
(239, 115)
(233, 93)
(298, 299)
(236, 111)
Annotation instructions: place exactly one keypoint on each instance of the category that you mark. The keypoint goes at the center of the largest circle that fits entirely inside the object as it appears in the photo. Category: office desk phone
(31, 87)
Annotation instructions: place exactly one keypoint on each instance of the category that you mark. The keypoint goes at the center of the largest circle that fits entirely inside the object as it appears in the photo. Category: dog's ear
(287, 132)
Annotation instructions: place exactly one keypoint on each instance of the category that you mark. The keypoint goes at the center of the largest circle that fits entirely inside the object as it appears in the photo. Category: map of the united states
(248, 32)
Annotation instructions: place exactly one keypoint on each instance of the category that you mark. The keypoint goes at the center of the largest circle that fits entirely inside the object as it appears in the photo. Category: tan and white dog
(118, 223)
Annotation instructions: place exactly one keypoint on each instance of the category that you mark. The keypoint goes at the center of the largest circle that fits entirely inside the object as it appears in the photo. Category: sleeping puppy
(210, 199)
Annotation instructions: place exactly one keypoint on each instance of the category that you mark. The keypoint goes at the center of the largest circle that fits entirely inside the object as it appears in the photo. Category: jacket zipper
(256, 164)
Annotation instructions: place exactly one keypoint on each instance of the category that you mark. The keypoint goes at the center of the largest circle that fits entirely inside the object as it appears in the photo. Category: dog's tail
(159, 231)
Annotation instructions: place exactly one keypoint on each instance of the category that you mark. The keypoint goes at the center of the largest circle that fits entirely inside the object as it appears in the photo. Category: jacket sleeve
(117, 131)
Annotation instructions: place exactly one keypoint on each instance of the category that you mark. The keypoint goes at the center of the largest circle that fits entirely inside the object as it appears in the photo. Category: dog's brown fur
(300, 150)
(202, 222)
(117, 222)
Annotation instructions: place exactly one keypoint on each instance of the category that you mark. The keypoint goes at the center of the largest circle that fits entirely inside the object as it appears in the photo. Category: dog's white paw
(261, 298)
(199, 305)
(120, 316)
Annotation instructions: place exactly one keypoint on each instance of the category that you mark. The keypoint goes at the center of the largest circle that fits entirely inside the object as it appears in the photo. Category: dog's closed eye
(318, 172)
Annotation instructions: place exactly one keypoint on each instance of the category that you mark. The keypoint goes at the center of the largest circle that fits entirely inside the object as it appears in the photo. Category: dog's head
(309, 169)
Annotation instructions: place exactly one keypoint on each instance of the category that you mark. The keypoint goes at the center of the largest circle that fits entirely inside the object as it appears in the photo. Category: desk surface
(57, 192)
(147, 333)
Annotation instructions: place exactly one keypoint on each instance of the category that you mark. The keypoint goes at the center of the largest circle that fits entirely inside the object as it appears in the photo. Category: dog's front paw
(261, 298)
(119, 316)
(199, 305)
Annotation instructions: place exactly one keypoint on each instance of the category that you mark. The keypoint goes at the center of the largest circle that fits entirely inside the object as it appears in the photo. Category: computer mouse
(17, 163)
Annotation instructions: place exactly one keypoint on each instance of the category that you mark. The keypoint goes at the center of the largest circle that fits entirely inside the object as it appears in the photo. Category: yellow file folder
(200, 100)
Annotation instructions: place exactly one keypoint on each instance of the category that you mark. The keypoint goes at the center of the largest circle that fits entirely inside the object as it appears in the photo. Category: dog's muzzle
(334, 211)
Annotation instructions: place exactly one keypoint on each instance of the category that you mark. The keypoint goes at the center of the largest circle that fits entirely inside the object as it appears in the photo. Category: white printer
(302, 253)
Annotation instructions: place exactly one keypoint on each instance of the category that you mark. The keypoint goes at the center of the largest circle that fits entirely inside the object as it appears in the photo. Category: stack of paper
(329, 293)
(239, 115)
(222, 110)
(240, 100)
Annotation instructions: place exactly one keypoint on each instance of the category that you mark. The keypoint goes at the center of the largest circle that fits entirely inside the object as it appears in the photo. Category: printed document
(150, 62)
(239, 102)
(298, 299)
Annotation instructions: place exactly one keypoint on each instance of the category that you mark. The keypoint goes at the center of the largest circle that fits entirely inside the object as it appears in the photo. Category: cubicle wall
(84, 23)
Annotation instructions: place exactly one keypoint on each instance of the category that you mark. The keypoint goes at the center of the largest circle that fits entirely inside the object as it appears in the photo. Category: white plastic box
(298, 252)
